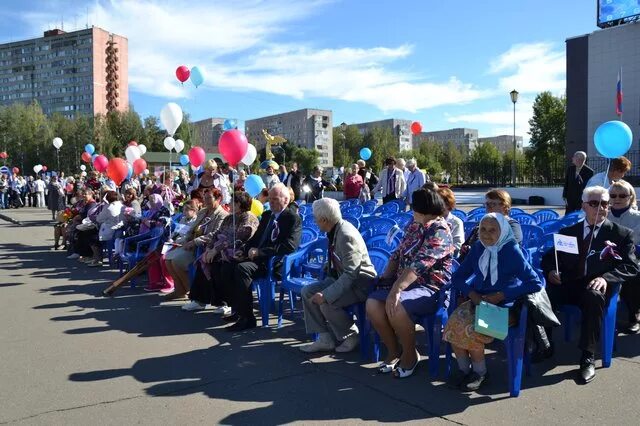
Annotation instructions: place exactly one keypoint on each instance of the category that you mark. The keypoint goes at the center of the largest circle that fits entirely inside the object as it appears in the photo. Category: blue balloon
(196, 76)
(365, 153)
(230, 124)
(253, 185)
(93, 157)
(130, 173)
(613, 139)
(89, 148)
(184, 159)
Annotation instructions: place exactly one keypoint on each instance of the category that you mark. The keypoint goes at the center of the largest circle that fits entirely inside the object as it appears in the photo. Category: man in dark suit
(293, 180)
(606, 259)
(278, 234)
(578, 174)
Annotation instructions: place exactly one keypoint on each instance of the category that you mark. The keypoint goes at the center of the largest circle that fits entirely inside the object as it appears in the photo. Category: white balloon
(57, 143)
(83, 174)
(37, 168)
(143, 149)
(169, 143)
(171, 117)
(145, 172)
(250, 156)
(83, 167)
(132, 153)
(179, 145)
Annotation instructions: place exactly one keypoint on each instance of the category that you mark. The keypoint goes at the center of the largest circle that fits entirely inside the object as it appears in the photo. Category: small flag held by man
(565, 243)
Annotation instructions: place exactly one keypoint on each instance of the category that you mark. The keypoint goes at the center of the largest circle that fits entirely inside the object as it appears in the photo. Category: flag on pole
(619, 94)
(565, 243)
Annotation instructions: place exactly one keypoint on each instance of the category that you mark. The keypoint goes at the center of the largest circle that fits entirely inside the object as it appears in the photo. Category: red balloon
(117, 170)
(16, 170)
(133, 143)
(3, 155)
(183, 73)
(139, 165)
(416, 127)
(233, 146)
(100, 163)
(86, 157)
(196, 156)
(44, 168)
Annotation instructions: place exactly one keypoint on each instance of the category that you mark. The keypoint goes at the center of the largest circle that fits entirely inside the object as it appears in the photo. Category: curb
(8, 219)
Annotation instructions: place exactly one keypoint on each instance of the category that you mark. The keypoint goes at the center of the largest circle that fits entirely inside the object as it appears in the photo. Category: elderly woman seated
(408, 288)
(349, 273)
(500, 275)
(234, 232)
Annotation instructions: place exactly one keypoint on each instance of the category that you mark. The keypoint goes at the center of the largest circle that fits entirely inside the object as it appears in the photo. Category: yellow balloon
(257, 208)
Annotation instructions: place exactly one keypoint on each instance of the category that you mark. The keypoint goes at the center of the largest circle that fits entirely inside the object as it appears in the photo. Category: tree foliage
(547, 128)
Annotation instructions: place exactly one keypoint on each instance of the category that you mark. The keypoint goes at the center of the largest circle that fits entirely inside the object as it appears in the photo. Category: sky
(446, 64)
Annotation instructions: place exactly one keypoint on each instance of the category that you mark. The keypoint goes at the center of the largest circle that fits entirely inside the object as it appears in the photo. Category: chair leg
(608, 338)
(292, 302)
(280, 307)
(434, 332)
(515, 349)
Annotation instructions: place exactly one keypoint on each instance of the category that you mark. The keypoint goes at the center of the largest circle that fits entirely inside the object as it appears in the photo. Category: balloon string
(606, 175)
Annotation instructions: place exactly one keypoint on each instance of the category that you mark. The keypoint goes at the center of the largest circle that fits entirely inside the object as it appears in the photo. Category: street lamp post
(343, 129)
(514, 98)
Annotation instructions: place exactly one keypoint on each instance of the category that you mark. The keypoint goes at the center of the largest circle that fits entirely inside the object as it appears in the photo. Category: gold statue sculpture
(271, 140)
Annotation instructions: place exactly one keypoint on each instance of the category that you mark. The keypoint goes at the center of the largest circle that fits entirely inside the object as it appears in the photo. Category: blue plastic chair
(317, 256)
(475, 217)
(310, 222)
(387, 209)
(369, 207)
(353, 210)
(403, 219)
(468, 228)
(379, 257)
(525, 219)
(531, 235)
(572, 315)
(477, 210)
(459, 213)
(143, 248)
(266, 289)
(293, 279)
(352, 220)
(551, 226)
(380, 242)
(544, 215)
(308, 235)
(365, 221)
(305, 209)
(130, 242)
(381, 226)
(516, 210)
(574, 217)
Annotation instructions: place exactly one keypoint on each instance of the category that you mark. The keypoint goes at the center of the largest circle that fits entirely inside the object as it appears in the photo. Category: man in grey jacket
(349, 271)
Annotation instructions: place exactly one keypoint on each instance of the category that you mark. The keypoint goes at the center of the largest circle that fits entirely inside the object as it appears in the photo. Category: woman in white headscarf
(501, 274)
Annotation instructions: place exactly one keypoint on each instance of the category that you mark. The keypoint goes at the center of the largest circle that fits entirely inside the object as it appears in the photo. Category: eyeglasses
(596, 203)
(622, 196)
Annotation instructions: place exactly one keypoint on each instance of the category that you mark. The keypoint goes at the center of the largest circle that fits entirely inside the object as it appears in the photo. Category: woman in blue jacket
(499, 275)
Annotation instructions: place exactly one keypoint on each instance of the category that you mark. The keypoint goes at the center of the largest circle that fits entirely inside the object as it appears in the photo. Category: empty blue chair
(380, 242)
(352, 210)
(316, 258)
(381, 226)
(531, 235)
(369, 207)
(544, 215)
(130, 247)
(572, 315)
(459, 213)
(365, 221)
(574, 216)
(403, 219)
(143, 248)
(516, 210)
(525, 219)
(477, 210)
(293, 279)
(352, 220)
(551, 226)
(305, 209)
(387, 209)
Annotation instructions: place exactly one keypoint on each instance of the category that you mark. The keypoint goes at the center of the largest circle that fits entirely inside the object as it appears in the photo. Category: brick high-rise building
(80, 72)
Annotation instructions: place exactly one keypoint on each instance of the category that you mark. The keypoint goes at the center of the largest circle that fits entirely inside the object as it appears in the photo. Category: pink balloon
(139, 165)
(196, 156)
(44, 168)
(233, 146)
(117, 170)
(100, 163)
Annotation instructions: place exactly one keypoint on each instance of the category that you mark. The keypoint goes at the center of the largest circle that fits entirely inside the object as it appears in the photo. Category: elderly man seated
(278, 234)
(605, 259)
(349, 273)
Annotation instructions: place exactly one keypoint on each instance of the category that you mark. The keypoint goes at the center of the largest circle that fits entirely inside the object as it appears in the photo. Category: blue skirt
(418, 300)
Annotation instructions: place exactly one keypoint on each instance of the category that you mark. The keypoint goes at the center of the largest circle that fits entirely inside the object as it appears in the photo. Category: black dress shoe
(587, 370)
(231, 318)
(541, 355)
(242, 325)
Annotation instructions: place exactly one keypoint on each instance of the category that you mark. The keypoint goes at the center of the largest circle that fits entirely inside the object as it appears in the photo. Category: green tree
(346, 146)
(153, 135)
(306, 158)
(547, 129)
(485, 163)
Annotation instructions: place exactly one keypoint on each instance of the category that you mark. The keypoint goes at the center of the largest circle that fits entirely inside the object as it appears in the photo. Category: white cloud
(499, 122)
(535, 67)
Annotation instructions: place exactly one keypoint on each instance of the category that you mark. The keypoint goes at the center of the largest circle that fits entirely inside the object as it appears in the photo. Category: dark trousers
(388, 198)
(630, 294)
(209, 291)
(592, 304)
(235, 282)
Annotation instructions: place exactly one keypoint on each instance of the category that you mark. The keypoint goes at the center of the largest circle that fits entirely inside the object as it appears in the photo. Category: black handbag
(540, 309)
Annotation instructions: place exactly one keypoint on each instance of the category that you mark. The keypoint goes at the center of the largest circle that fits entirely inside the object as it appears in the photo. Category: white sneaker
(193, 306)
(323, 344)
(74, 256)
(349, 344)
(222, 310)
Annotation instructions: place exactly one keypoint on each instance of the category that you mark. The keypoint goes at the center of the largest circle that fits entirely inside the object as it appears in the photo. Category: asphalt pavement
(71, 357)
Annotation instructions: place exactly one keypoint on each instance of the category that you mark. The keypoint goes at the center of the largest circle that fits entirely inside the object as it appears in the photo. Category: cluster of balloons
(135, 163)
(183, 74)
(57, 143)
(234, 147)
(613, 139)
(39, 168)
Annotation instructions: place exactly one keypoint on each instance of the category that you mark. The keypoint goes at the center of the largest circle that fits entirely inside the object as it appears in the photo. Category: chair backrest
(292, 263)
(308, 235)
(365, 221)
(386, 209)
(352, 220)
(380, 241)
(403, 219)
(379, 257)
(468, 227)
(475, 217)
(576, 216)
(381, 225)
(459, 213)
(550, 226)
(544, 215)
(516, 210)
(571, 220)
(369, 206)
(477, 210)
(353, 210)
(531, 235)
(525, 219)
(305, 209)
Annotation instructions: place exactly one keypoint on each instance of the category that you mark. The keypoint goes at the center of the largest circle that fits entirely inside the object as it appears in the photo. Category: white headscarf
(489, 258)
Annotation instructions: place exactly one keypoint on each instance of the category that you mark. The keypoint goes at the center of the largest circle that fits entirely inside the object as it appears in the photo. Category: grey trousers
(329, 317)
